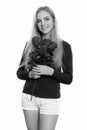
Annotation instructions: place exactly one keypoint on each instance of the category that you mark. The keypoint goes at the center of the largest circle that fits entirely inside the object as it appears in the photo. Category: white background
(16, 17)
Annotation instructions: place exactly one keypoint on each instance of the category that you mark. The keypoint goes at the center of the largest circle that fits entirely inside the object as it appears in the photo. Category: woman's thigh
(31, 119)
(47, 122)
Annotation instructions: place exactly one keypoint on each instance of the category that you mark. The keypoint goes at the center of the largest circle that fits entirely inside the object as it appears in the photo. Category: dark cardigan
(49, 86)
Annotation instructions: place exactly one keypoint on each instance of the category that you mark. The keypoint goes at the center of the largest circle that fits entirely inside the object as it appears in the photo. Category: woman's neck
(46, 36)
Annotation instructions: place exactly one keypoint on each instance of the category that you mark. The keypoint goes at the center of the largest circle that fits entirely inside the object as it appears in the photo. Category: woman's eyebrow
(44, 17)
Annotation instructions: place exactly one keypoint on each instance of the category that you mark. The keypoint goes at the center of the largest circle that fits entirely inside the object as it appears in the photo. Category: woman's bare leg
(47, 122)
(31, 118)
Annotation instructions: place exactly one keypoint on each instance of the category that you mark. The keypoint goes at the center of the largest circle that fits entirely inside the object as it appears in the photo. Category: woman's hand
(33, 75)
(42, 70)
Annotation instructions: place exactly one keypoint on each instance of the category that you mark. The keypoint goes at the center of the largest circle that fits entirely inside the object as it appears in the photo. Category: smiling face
(44, 22)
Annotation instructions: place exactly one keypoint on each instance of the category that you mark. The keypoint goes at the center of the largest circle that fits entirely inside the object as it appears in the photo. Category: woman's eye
(38, 21)
(47, 19)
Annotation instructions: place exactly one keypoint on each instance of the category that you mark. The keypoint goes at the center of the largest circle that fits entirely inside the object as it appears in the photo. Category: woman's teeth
(44, 28)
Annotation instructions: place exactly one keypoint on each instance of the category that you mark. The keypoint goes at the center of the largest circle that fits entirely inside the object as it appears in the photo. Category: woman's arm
(22, 73)
(66, 76)
(62, 77)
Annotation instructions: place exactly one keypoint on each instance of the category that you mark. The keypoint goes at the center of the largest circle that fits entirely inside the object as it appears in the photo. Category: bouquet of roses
(42, 53)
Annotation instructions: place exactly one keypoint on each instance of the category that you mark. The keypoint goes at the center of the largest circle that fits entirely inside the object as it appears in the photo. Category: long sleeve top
(49, 86)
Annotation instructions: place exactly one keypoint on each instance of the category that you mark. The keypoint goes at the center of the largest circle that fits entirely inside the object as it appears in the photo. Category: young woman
(42, 111)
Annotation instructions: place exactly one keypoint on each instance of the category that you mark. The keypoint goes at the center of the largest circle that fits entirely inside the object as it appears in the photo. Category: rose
(42, 53)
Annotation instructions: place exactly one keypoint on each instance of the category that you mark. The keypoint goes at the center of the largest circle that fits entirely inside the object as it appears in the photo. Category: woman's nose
(42, 23)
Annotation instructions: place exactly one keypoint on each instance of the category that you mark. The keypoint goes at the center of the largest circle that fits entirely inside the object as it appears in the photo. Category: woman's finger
(36, 70)
(36, 73)
(39, 65)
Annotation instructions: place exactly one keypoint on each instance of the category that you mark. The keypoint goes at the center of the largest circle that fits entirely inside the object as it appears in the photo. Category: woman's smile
(45, 27)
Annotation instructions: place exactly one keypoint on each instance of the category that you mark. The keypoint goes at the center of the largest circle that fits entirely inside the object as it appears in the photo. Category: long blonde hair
(58, 53)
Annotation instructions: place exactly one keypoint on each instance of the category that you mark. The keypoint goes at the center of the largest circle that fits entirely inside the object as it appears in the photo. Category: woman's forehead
(42, 14)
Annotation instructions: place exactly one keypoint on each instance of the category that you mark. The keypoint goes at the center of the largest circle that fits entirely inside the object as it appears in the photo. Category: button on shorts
(43, 105)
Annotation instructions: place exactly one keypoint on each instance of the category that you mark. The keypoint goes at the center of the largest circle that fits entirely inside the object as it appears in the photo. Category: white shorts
(43, 105)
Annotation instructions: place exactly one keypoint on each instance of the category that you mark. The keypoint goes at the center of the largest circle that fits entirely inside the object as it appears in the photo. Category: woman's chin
(45, 32)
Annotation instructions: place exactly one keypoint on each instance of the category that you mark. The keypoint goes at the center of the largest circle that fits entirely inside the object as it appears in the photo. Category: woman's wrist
(31, 74)
(51, 72)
